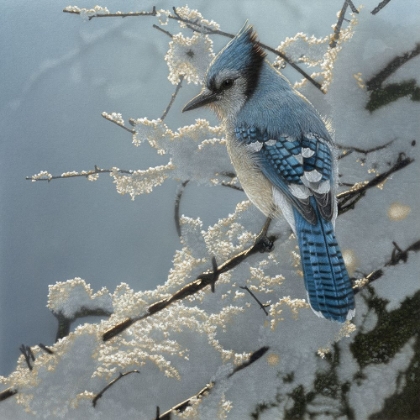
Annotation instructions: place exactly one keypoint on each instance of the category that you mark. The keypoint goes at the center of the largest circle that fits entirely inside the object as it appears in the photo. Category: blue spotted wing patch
(299, 167)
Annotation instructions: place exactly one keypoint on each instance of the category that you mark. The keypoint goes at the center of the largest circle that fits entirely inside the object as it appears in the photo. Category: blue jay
(283, 156)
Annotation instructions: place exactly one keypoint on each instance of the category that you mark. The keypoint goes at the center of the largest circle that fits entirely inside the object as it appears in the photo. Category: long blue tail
(326, 280)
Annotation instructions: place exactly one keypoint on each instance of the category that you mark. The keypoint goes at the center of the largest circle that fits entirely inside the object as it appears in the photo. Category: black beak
(203, 98)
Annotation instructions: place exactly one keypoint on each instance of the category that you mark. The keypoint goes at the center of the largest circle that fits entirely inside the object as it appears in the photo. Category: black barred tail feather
(327, 282)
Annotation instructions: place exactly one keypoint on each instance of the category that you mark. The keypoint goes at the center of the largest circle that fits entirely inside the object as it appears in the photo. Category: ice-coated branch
(397, 255)
(181, 407)
(337, 27)
(117, 119)
(348, 199)
(92, 174)
(100, 394)
(197, 27)
(380, 6)
(77, 11)
(208, 278)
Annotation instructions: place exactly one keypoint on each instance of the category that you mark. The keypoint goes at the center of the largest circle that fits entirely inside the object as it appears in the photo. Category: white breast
(256, 186)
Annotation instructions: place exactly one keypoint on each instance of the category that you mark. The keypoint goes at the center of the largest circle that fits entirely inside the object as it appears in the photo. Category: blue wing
(301, 168)
(298, 167)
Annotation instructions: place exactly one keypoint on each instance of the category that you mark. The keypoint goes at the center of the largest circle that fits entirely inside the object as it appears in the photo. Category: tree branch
(380, 6)
(64, 323)
(48, 177)
(178, 197)
(100, 394)
(397, 255)
(181, 407)
(178, 87)
(256, 299)
(376, 81)
(197, 27)
(348, 199)
(208, 278)
(337, 27)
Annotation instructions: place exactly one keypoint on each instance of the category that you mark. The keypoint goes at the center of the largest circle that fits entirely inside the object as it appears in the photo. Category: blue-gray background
(58, 74)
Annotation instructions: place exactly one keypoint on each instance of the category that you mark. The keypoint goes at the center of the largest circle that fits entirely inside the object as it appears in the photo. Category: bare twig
(262, 306)
(64, 323)
(349, 150)
(28, 354)
(100, 394)
(380, 6)
(163, 30)
(348, 199)
(181, 407)
(178, 87)
(209, 278)
(177, 206)
(376, 81)
(9, 392)
(85, 174)
(234, 187)
(397, 255)
(45, 348)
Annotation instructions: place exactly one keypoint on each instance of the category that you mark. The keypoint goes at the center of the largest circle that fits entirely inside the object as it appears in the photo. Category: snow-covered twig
(45, 176)
(208, 278)
(181, 407)
(337, 27)
(198, 27)
(178, 87)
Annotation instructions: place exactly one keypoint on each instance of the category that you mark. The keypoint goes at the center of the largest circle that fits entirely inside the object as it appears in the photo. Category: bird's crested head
(233, 75)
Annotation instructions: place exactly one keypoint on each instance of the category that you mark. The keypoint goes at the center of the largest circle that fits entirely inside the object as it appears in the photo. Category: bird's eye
(226, 84)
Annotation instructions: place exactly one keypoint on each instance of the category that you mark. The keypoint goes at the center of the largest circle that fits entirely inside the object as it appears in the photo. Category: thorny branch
(198, 27)
(100, 394)
(181, 407)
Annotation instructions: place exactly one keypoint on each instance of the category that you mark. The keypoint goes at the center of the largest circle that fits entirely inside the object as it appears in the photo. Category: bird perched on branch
(283, 156)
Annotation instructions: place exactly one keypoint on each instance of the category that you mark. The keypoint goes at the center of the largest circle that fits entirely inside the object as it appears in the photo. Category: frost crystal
(73, 296)
(189, 57)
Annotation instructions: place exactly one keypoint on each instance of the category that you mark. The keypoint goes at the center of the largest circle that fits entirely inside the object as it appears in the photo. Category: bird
(284, 157)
